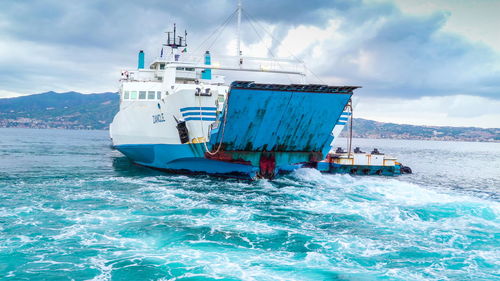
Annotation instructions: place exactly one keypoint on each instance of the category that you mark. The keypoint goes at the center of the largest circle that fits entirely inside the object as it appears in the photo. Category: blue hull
(189, 159)
(184, 159)
(263, 130)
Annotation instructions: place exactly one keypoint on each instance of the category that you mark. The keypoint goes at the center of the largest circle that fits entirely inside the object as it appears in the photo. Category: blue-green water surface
(71, 208)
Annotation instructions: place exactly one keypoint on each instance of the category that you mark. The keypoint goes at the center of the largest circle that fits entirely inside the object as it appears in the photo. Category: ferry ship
(180, 115)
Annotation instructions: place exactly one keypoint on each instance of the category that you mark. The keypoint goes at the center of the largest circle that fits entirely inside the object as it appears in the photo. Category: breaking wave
(125, 222)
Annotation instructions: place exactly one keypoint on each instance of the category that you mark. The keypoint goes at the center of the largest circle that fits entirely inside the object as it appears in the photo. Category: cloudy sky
(419, 61)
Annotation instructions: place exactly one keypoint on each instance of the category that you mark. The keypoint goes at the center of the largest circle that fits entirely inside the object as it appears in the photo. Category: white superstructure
(180, 88)
(151, 100)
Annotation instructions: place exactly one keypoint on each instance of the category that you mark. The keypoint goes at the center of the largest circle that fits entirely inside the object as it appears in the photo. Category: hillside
(363, 128)
(95, 111)
(63, 111)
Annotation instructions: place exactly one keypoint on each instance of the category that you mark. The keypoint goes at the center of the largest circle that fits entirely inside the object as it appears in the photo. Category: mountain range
(74, 110)
(69, 110)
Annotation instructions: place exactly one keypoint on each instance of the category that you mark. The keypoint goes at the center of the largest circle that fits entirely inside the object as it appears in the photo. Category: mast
(175, 42)
(238, 54)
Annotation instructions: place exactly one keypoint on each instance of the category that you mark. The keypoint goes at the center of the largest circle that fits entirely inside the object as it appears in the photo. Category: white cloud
(9, 94)
(477, 20)
(415, 50)
(302, 38)
(34, 68)
(456, 110)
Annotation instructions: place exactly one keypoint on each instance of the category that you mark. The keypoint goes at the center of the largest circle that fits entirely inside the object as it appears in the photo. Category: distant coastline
(78, 111)
(363, 128)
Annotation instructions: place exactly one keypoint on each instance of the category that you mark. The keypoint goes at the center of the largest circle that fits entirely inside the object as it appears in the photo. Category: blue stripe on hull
(198, 108)
(198, 113)
(184, 158)
(200, 119)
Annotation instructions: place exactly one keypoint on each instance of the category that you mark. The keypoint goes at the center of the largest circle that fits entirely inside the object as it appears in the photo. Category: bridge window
(185, 68)
(126, 95)
(133, 95)
(151, 95)
(158, 95)
(142, 95)
(162, 66)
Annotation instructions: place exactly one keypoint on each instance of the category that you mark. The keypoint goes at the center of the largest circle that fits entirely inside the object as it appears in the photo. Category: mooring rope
(223, 128)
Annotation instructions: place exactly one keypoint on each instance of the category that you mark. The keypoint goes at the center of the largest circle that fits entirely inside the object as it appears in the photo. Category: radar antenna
(175, 41)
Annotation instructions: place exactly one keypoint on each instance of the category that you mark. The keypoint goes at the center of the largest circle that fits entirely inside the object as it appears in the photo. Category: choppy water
(73, 209)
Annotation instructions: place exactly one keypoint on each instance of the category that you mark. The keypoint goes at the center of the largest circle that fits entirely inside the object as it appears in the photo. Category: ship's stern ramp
(285, 124)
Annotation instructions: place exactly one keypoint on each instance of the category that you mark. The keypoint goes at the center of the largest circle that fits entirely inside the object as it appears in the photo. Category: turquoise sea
(71, 208)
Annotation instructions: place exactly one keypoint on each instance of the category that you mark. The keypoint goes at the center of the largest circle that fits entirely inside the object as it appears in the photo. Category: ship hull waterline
(263, 130)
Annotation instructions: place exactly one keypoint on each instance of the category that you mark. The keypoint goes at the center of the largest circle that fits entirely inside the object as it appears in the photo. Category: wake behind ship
(178, 116)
